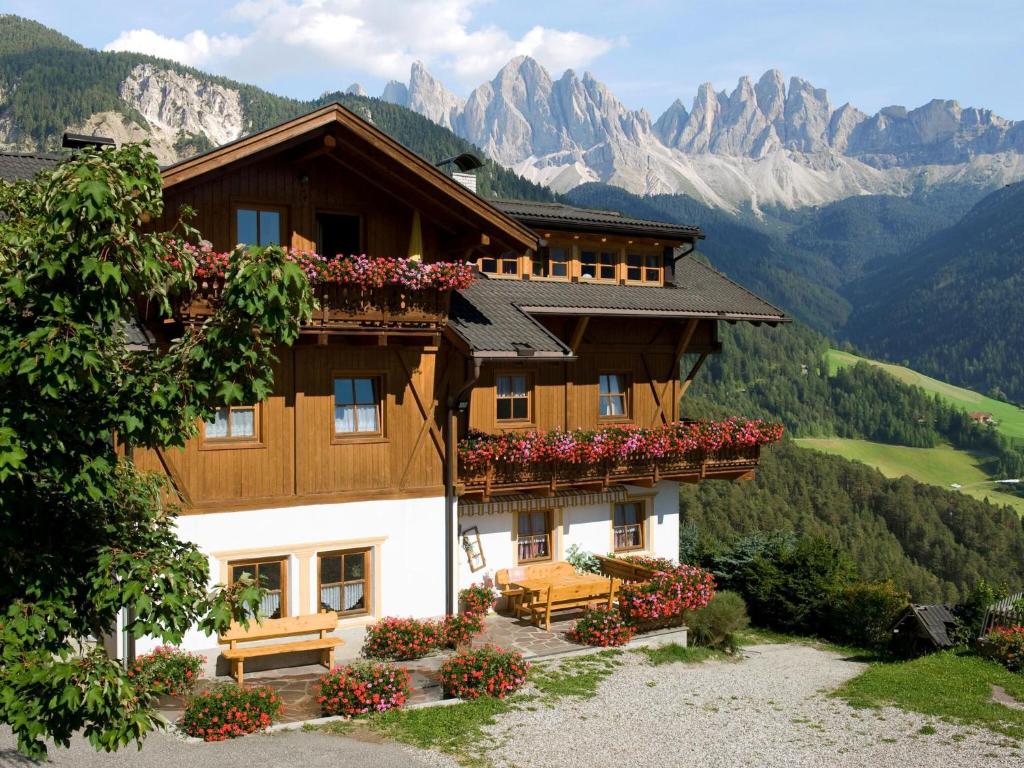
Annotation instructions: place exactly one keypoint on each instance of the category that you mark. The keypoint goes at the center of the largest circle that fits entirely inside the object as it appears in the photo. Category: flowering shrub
(1007, 646)
(669, 593)
(363, 687)
(228, 711)
(168, 671)
(614, 445)
(361, 271)
(400, 639)
(478, 599)
(487, 671)
(649, 561)
(457, 631)
(602, 627)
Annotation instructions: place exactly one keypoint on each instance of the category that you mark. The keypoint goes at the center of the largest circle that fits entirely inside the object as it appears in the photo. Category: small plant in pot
(478, 599)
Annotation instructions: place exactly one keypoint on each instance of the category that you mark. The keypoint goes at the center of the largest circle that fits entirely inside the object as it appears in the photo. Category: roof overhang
(362, 137)
(656, 313)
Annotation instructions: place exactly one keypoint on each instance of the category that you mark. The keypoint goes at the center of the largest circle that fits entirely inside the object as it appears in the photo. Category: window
(599, 265)
(513, 392)
(612, 389)
(551, 262)
(644, 268)
(258, 226)
(269, 573)
(338, 234)
(344, 579)
(534, 537)
(628, 526)
(506, 264)
(357, 406)
(238, 423)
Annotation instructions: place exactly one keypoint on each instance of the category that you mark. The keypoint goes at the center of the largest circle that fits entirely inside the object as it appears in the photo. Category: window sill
(358, 440)
(515, 424)
(230, 445)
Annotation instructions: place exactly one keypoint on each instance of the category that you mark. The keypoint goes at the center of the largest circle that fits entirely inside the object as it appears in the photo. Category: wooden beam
(465, 242)
(577, 333)
(693, 372)
(684, 343)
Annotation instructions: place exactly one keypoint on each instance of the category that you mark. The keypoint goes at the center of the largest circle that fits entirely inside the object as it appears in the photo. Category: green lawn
(1009, 418)
(953, 686)
(940, 466)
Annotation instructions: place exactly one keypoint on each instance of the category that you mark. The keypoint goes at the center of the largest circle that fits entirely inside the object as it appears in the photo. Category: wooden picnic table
(533, 586)
(541, 596)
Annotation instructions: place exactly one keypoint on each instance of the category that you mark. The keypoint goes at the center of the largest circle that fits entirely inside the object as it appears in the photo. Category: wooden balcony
(348, 308)
(501, 477)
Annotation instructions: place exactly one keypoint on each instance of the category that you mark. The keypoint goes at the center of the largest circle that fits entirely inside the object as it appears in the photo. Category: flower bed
(602, 628)
(167, 671)
(1006, 645)
(361, 688)
(478, 599)
(663, 600)
(487, 671)
(615, 445)
(228, 711)
(458, 631)
(400, 639)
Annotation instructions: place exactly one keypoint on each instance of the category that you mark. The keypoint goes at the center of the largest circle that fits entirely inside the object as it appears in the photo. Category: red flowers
(229, 711)
(406, 639)
(478, 599)
(669, 593)
(487, 671)
(1006, 646)
(360, 688)
(616, 445)
(167, 670)
(603, 628)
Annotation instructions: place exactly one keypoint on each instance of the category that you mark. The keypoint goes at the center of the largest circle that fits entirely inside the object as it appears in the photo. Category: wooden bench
(624, 570)
(269, 629)
(505, 578)
(563, 597)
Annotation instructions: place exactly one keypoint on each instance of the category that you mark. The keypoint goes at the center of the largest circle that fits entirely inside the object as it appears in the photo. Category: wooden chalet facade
(344, 489)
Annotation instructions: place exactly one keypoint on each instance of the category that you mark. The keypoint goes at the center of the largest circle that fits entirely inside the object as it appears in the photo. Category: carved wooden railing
(503, 477)
(346, 306)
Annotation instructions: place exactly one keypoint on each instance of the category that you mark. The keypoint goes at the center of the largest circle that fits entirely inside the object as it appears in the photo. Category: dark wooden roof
(934, 621)
(15, 165)
(567, 217)
(497, 317)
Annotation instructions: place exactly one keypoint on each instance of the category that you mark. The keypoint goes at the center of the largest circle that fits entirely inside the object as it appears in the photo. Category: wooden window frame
(600, 250)
(229, 442)
(549, 534)
(338, 212)
(644, 254)
(367, 580)
(378, 436)
(627, 396)
(284, 235)
(257, 561)
(543, 259)
(528, 376)
(641, 525)
(500, 261)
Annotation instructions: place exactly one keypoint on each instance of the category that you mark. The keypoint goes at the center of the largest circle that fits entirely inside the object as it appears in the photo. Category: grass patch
(765, 636)
(672, 653)
(577, 676)
(955, 686)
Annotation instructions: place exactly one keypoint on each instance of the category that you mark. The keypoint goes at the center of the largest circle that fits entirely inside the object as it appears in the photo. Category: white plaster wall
(588, 526)
(407, 536)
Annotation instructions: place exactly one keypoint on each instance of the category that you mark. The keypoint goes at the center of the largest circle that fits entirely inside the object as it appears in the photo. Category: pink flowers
(616, 445)
(669, 593)
(361, 688)
(603, 628)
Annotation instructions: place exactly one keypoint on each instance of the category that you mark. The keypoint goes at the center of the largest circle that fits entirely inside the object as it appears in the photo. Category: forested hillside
(952, 306)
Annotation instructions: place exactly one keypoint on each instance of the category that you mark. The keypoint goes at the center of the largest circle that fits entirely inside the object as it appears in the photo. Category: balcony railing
(504, 477)
(347, 307)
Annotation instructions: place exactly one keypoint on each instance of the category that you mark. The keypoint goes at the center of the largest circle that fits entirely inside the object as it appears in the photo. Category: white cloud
(380, 38)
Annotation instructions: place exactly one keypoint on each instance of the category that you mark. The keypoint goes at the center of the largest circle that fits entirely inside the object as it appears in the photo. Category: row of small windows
(535, 532)
(359, 407)
(596, 264)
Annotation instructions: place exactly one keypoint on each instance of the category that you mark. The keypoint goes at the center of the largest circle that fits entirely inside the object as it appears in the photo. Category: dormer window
(505, 264)
(551, 262)
(646, 268)
(598, 265)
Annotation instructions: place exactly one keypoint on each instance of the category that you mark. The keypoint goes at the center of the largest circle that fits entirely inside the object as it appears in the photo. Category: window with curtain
(258, 226)
(644, 268)
(269, 573)
(344, 581)
(513, 397)
(612, 391)
(233, 423)
(534, 536)
(628, 526)
(357, 406)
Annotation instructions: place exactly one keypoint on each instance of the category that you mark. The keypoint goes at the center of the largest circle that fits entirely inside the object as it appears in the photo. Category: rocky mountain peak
(429, 97)
(355, 90)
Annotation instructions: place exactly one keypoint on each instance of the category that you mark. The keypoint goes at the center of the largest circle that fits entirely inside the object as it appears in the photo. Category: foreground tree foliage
(84, 535)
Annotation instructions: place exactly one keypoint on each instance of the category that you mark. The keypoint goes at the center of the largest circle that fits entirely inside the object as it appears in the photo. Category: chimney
(468, 180)
(81, 141)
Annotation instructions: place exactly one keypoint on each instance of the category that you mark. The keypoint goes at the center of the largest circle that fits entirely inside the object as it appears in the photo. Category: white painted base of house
(406, 538)
(589, 527)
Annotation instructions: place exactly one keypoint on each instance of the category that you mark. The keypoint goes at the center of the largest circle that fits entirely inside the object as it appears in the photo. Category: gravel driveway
(768, 710)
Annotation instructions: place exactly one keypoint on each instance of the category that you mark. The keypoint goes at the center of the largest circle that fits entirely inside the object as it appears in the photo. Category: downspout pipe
(451, 468)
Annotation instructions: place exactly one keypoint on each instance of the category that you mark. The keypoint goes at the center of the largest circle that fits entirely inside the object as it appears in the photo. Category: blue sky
(870, 53)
